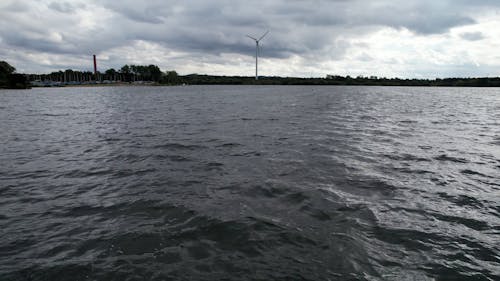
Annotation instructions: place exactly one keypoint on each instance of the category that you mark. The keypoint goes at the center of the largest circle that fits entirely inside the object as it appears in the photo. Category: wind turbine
(257, 41)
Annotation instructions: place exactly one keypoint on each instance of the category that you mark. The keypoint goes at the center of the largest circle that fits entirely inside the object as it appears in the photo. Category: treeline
(127, 73)
(195, 79)
(153, 74)
(11, 80)
(447, 82)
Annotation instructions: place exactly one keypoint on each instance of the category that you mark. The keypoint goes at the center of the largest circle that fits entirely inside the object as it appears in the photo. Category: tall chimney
(95, 66)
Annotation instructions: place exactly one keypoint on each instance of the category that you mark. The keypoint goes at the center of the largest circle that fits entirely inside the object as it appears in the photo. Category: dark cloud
(144, 12)
(297, 27)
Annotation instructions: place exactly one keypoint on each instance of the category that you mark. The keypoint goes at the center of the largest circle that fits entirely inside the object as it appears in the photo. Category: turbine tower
(257, 41)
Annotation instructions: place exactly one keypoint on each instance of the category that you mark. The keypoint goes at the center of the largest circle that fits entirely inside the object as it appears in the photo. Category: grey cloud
(151, 12)
(63, 7)
(425, 17)
(39, 38)
(314, 29)
(16, 7)
(472, 36)
(365, 57)
(297, 26)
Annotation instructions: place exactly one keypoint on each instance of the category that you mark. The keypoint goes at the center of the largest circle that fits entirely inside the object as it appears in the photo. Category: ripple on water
(249, 183)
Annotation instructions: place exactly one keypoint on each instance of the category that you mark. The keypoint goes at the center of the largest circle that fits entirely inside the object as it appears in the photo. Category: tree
(5, 70)
(133, 69)
(110, 74)
(154, 72)
(11, 80)
(125, 69)
(170, 77)
(125, 73)
(17, 81)
(141, 72)
(5, 67)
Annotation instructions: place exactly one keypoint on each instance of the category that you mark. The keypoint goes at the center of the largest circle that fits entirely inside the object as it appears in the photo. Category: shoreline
(283, 85)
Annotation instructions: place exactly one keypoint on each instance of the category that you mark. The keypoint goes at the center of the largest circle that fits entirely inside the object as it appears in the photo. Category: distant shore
(195, 79)
(59, 85)
(152, 75)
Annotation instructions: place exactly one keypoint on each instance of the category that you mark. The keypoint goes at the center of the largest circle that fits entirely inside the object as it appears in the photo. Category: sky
(385, 38)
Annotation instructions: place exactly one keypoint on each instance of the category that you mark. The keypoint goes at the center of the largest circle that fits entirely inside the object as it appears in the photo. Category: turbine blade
(263, 35)
(251, 37)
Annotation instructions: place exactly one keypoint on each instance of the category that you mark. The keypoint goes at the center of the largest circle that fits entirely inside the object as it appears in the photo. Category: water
(250, 183)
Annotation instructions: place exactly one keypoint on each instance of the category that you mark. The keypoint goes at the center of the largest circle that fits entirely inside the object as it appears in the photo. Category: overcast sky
(411, 38)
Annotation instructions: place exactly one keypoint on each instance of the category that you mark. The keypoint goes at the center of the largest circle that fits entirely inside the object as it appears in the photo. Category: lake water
(250, 183)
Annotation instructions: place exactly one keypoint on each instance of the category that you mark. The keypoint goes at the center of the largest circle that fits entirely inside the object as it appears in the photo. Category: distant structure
(95, 66)
(257, 41)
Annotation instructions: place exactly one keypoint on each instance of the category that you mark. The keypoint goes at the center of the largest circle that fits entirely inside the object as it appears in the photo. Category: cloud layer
(413, 38)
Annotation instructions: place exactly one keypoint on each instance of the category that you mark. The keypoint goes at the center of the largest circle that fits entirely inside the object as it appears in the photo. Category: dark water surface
(250, 183)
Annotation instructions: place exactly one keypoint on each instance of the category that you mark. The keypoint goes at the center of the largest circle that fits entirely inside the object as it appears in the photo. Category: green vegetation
(151, 74)
(138, 73)
(11, 80)
(195, 79)
(126, 74)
